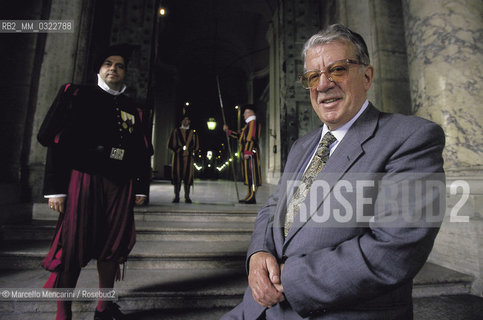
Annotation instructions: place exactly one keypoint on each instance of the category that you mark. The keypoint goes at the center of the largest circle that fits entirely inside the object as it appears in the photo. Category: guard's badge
(128, 121)
(117, 154)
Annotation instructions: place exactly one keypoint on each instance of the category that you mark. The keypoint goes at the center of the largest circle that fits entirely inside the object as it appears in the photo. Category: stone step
(172, 292)
(464, 307)
(449, 307)
(435, 280)
(431, 280)
(196, 216)
(145, 255)
(170, 212)
(154, 282)
(164, 314)
(185, 293)
(147, 231)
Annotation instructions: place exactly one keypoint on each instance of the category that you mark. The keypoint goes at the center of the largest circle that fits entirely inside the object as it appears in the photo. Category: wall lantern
(211, 124)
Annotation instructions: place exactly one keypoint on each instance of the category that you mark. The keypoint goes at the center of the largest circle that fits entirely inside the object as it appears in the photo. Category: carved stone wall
(293, 23)
(133, 23)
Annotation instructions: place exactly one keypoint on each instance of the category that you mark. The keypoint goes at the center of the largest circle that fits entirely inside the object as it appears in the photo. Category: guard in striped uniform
(249, 138)
(184, 143)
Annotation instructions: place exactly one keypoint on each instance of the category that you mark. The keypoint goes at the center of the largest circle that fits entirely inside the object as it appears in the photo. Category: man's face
(113, 71)
(248, 113)
(337, 102)
(186, 121)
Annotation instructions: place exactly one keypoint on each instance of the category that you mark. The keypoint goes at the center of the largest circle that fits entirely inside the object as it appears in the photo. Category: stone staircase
(188, 263)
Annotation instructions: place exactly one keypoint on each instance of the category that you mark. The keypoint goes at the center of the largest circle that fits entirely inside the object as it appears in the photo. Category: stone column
(61, 64)
(444, 43)
(164, 117)
(273, 159)
(17, 89)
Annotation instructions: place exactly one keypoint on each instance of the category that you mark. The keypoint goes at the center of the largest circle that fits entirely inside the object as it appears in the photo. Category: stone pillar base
(459, 244)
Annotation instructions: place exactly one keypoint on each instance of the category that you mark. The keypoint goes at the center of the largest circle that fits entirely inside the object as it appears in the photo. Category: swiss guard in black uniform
(248, 138)
(97, 169)
(184, 143)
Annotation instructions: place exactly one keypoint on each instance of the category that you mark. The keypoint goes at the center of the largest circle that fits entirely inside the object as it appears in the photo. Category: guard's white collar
(103, 85)
(250, 118)
(183, 127)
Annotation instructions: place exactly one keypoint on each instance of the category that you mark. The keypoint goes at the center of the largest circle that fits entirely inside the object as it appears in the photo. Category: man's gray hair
(338, 32)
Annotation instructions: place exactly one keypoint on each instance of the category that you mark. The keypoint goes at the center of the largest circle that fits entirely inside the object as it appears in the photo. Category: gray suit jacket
(365, 229)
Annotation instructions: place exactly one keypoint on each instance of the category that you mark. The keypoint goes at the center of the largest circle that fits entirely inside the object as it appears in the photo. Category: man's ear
(368, 77)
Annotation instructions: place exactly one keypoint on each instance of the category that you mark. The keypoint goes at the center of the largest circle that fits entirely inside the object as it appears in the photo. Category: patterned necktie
(318, 161)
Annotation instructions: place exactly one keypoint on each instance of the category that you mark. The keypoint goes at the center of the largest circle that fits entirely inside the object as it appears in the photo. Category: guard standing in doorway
(185, 143)
(248, 138)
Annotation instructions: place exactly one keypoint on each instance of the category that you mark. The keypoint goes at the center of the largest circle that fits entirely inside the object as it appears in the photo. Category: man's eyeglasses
(334, 72)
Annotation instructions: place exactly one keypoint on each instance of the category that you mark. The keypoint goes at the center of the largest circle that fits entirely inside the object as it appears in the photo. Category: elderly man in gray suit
(359, 204)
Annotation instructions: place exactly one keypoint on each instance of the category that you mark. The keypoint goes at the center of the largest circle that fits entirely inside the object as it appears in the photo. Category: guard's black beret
(124, 50)
(249, 106)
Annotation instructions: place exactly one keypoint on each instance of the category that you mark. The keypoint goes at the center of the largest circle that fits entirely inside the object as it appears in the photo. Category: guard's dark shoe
(176, 200)
(188, 200)
(111, 312)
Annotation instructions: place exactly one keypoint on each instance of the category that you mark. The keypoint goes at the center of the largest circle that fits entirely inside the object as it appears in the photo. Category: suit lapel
(290, 174)
(345, 155)
(303, 151)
